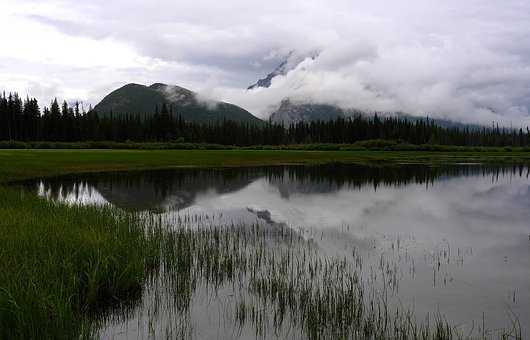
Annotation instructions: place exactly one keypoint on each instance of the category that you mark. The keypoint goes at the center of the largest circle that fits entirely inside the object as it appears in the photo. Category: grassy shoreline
(61, 263)
(26, 164)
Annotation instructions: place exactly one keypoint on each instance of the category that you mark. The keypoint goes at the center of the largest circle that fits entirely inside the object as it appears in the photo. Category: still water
(455, 240)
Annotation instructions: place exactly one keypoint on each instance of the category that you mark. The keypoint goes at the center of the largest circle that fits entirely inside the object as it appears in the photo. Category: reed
(281, 284)
(61, 264)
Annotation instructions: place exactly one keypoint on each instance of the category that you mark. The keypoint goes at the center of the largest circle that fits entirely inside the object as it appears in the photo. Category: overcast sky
(464, 60)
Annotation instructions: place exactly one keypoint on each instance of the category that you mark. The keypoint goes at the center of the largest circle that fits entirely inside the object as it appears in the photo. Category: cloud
(468, 61)
(438, 76)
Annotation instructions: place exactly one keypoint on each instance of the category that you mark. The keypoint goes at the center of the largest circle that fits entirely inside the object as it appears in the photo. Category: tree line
(22, 120)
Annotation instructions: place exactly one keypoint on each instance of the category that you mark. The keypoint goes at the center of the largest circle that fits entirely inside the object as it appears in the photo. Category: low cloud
(467, 61)
(205, 99)
(422, 80)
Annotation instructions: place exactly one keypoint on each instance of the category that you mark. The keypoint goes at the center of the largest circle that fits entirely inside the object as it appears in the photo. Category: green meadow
(24, 164)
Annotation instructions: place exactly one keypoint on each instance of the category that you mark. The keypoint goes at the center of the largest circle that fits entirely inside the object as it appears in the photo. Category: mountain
(282, 70)
(290, 112)
(141, 99)
(290, 63)
(293, 112)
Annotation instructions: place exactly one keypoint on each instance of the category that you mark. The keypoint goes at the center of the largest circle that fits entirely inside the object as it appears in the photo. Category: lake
(447, 243)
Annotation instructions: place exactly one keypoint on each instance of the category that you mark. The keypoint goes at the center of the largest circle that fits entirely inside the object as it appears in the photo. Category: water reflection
(177, 189)
(454, 238)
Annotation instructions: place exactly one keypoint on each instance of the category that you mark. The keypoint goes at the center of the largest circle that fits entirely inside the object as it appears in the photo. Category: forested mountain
(147, 100)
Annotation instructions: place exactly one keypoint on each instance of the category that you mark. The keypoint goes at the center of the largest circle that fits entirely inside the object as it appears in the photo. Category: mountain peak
(291, 61)
(132, 86)
(158, 86)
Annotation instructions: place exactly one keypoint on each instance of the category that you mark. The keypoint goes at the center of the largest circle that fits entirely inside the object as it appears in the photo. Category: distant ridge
(290, 111)
(145, 100)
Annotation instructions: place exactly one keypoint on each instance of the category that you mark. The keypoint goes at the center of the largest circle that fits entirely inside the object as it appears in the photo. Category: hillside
(289, 112)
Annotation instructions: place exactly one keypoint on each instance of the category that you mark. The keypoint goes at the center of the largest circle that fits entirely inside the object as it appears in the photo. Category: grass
(282, 285)
(24, 164)
(61, 264)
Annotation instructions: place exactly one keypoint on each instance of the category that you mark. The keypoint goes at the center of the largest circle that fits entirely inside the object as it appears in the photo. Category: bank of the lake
(60, 264)
(25, 164)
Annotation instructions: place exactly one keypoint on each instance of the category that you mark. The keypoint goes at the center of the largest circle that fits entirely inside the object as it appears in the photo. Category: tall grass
(60, 264)
(64, 268)
(282, 286)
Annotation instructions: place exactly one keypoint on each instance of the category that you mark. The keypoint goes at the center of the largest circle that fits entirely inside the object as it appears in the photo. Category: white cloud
(467, 61)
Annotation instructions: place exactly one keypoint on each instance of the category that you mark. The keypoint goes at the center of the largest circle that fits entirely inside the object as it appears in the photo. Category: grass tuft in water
(61, 264)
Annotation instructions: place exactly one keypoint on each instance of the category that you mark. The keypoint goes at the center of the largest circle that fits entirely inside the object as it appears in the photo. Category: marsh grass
(60, 265)
(68, 270)
(281, 286)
